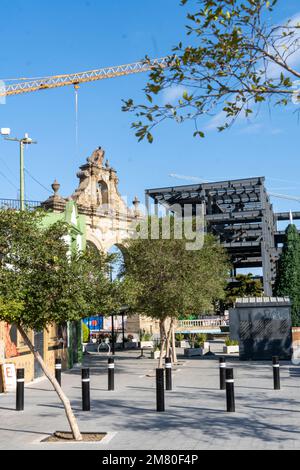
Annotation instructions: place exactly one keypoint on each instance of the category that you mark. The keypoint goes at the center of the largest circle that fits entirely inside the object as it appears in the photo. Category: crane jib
(56, 81)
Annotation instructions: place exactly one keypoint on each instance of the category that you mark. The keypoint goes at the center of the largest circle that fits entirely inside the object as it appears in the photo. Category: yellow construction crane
(27, 85)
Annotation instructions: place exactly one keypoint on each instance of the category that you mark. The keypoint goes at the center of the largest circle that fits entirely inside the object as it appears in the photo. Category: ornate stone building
(108, 219)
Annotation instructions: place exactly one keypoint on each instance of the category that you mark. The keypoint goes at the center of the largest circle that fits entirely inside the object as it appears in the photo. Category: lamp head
(27, 139)
(5, 131)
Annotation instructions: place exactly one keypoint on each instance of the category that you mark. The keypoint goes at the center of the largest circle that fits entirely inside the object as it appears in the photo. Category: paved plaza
(195, 416)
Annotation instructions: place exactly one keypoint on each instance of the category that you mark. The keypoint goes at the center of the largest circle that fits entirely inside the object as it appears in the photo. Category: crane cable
(76, 87)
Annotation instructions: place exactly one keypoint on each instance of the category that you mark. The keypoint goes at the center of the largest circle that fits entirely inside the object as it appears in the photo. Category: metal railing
(202, 323)
(14, 204)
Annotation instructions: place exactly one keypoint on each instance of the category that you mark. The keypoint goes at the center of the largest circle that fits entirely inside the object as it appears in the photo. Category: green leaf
(199, 134)
(149, 98)
(225, 61)
(150, 138)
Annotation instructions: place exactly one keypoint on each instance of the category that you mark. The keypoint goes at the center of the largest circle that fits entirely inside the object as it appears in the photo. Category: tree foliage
(245, 285)
(40, 284)
(85, 333)
(288, 273)
(163, 279)
(236, 59)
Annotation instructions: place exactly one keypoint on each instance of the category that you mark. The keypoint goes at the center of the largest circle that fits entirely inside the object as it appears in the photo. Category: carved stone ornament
(97, 157)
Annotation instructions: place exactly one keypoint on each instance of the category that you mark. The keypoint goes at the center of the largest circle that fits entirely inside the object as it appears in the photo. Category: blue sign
(94, 323)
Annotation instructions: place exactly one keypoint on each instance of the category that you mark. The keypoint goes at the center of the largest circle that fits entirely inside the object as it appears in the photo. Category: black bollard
(111, 373)
(160, 390)
(20, 390)
(230, 391)
(86, 402)
(222, 364)
(58, 370)
(168, 366)
(276, 372)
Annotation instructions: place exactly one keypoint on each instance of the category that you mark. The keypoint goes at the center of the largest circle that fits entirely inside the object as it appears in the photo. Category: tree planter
(231, 349)
(67, 438)
(156, 354)
(131, 345)
(182, 344)
(189, 352)
(146, 344)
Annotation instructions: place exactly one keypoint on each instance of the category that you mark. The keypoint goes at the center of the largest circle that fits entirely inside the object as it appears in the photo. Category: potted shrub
(130, 342)
(181, 341)
(201, 340)
(200, 345)
(146, 340)
(155, 354)
(231, 346)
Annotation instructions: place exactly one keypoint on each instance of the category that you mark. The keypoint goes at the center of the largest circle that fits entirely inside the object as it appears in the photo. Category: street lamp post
(26, 140)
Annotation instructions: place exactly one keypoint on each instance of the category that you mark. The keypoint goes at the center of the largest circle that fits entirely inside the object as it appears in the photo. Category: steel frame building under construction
(240, 214)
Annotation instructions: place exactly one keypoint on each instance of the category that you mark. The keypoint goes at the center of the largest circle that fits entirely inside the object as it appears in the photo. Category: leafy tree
(163, 280)
(236, 59)
(288, 273)
(245, 285)
(85, 333)
(41, 284)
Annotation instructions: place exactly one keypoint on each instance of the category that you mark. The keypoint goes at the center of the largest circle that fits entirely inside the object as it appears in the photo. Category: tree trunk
(169, 340)
(65, 401)
(162, 343)
(174, 354)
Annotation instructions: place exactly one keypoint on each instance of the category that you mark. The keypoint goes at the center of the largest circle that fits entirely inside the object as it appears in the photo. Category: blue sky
(41, 38)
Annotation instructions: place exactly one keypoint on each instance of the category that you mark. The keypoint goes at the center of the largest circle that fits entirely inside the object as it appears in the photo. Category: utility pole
(26, 140)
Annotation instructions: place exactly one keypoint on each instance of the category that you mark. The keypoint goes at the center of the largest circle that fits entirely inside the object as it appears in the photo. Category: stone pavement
(195, 416)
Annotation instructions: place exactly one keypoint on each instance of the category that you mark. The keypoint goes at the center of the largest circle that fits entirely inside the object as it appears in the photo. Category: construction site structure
(239, 213)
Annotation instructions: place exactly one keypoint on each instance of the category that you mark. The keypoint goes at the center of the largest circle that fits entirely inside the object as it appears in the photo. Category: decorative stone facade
(108, 219)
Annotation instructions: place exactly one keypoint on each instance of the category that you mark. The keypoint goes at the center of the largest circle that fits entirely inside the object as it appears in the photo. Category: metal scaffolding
(240, 214)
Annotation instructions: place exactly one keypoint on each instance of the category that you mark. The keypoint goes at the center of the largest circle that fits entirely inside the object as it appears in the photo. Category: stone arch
(93, 240)
(119, 250)
(91, 245)
(118, 245)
